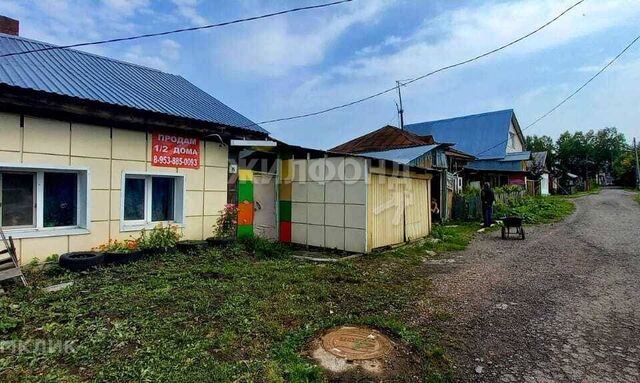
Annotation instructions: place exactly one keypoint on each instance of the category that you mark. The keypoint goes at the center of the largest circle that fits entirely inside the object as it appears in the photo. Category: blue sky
(308, 61)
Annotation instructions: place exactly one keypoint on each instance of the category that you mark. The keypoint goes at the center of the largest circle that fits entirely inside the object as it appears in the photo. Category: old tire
(123, 258)
(81, 260)
(219, 242)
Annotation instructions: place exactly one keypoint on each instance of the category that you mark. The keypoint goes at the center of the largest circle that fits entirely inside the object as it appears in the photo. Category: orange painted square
(245, 213)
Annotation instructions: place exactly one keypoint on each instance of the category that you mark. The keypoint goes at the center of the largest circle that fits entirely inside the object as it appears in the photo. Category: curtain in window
(17, 199)
(60, 199)
(134, 189)
(162, 199)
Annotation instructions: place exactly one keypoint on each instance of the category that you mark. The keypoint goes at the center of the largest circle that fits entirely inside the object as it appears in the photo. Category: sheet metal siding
(90, 77)
(417, 212)
(402, 156)
(385, 212)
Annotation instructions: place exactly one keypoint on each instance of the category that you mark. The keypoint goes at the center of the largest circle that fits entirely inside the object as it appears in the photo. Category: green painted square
(245, 231)
(245, 191)
(285, 211)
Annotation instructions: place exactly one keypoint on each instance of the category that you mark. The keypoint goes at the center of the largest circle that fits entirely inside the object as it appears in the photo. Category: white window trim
(83, 201)
(178, 208)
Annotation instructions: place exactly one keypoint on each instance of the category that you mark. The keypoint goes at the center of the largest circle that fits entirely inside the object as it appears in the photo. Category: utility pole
(400, 109)
(635, 150)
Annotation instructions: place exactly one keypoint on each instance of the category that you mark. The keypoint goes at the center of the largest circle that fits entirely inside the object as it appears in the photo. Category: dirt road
(564, 305)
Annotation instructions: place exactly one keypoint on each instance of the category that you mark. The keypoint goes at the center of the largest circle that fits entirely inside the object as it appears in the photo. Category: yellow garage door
(398, 210)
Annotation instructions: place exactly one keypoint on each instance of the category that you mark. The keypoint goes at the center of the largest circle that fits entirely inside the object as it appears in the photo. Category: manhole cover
(356, 343)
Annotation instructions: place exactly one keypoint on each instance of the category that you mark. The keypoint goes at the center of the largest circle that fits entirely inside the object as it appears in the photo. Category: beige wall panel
(355, 192)
(41, 248)
(18, 244)
(355, 240)
(216, 154)
(99, 205)
(9, 156)
(129, 145)
(334, 237)
(334, 169)
(116, 202)
(315, 213)
(192, 228)
(194, 178)
(334, 192)
(334, 214)
(354, 168)
(194, 203)
(355, 216)
(299, 192)
(46, 136)
(385, 212)
(300, 170)
(315, 170)
(99, 171)
(315, 235)
(98, 236)
(118, 166)
(10, 132)
(214, 202)
(215, 178)
(315, 191)
(209, 225)
(299, 212)
(159, 169)
(299, 233)
(90, 141)
(121, 235)
(417, 209)
(45, 159)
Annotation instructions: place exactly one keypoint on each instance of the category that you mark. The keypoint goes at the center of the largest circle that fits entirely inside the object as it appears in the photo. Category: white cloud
(189, 10)
(159, 57)
(275, 46)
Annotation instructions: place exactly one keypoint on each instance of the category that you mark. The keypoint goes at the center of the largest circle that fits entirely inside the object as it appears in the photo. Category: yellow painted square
(245, 175)
(90, 141)
(10, 132)
(129, 145)
(99, 171)
(46, 136)
(215, 179)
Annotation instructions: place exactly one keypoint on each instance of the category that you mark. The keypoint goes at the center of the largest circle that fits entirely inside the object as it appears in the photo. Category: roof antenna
(400, 110)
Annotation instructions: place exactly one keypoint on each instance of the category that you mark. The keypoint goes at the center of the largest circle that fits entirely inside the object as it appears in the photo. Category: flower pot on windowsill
(123, 257)
(219, 241)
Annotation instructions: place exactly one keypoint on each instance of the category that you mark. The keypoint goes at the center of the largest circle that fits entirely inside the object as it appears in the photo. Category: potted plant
(121, 252)
(225, 228)
(160, 239)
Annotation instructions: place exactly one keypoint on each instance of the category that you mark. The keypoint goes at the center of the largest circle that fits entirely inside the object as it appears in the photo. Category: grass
(213, 317)
(541, 210)
(595, 189)
(637, 197)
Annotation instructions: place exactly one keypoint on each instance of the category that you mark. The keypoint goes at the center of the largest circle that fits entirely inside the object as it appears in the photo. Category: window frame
(83, 201)
(179, 195)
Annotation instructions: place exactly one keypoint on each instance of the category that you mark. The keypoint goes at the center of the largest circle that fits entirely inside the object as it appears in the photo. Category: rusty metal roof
(386, 138)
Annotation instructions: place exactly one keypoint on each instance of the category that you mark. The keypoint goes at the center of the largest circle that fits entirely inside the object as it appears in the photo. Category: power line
(209, 26)
(572, 94)
(394, 88)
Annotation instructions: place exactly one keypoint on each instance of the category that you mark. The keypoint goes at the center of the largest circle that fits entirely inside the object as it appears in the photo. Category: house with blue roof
(494, 138)
(94, 149)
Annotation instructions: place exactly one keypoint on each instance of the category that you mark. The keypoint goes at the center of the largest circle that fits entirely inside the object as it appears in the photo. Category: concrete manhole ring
(356, 343)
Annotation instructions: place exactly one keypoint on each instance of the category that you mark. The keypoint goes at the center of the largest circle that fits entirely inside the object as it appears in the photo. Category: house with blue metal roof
(94, 150)
(494, 138)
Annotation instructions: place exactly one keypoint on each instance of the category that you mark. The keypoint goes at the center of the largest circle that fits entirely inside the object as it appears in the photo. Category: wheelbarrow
(512, 223)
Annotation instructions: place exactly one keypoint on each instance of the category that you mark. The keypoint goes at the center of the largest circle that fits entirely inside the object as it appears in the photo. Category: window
(150, 199)
(40, 202)
(512, 140)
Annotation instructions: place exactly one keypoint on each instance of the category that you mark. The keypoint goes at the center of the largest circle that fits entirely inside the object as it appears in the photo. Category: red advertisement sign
(175, 151)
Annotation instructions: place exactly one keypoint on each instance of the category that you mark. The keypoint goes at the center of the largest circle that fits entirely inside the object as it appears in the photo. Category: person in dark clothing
(488, 198)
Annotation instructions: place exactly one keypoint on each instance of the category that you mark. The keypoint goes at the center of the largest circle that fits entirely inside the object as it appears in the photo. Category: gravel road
(564, 305)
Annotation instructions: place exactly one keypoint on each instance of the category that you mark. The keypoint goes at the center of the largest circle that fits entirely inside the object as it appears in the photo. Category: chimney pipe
(9, 26)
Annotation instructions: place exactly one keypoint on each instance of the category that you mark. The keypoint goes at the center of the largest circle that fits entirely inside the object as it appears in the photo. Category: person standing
(488, 198)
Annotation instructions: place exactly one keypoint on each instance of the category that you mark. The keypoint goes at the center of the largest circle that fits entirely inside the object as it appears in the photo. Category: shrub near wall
(468, 206)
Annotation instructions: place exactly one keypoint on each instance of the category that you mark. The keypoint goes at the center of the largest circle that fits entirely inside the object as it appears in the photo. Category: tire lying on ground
(191, 245)
(82, 260)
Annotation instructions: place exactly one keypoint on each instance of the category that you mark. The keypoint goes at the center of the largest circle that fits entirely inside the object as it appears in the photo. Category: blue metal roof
(472, 134)
(401, 156)
(87, 76)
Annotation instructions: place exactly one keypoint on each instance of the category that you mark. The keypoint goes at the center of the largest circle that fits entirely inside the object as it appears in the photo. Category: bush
(265, 248)
(161, 237)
